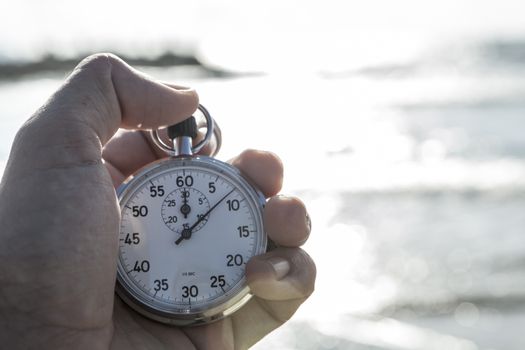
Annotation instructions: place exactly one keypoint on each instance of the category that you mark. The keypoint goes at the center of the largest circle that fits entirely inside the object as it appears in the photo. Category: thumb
(102, 94)
(58, 207)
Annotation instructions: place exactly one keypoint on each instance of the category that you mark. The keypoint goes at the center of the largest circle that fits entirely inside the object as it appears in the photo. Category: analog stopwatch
(189, 224)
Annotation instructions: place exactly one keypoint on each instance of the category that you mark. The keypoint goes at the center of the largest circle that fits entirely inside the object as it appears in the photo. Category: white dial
(188, 228)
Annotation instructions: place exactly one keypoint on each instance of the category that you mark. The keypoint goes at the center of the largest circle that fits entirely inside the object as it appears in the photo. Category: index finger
(133, 99)
(102, 94)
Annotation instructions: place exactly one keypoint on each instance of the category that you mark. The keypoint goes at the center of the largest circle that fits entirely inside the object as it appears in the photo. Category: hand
(60, 222)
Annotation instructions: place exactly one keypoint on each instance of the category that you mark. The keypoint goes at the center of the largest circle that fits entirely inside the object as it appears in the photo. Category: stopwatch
(189, 224)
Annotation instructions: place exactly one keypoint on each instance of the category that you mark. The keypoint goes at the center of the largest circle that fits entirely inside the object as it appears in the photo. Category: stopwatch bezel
(239, 294)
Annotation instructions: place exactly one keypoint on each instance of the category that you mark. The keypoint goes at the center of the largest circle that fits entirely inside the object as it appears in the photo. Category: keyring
(212, 129)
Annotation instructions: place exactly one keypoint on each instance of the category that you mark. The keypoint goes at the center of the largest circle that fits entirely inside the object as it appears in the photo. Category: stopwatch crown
(181, 136)
(187, 127)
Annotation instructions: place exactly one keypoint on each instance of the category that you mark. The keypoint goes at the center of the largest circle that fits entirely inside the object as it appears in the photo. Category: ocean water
(410, 156)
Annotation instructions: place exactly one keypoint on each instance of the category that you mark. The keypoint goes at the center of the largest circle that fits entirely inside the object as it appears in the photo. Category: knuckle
(28, 131)
(265, 168)
(272, 160)
(287, 221)
(295, 207)
(99, 63)
(266, 158)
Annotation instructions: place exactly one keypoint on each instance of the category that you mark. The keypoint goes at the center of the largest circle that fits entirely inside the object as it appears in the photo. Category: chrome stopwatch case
(189, 224)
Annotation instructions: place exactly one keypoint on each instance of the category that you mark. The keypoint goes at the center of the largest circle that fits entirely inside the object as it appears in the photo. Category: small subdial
(183, 207)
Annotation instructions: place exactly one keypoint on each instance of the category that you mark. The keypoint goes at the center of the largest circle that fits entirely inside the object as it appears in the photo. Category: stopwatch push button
(187, 127)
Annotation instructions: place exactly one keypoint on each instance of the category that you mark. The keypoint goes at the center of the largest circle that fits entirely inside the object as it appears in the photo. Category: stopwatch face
(188, 228)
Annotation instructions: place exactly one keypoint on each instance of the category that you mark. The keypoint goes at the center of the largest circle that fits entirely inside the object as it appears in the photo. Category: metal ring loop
(211, 129)
(218, 139)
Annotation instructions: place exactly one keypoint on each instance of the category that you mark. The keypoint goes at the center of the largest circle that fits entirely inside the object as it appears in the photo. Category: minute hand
(202, 217)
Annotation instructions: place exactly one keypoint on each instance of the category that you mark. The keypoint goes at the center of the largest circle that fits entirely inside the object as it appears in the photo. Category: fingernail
(181, 87)
(308, 223)
(280, 266)
(282, 196)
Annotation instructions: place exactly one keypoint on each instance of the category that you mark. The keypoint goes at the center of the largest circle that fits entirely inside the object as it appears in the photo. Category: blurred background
(400, 124)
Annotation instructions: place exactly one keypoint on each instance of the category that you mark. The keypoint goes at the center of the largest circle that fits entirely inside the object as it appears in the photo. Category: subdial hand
(186, 233)
(185, 208)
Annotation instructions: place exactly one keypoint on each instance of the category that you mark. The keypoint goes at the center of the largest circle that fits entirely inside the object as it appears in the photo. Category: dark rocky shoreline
(53, 64)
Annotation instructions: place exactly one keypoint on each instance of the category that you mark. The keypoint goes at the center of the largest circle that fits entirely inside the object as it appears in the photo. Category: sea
(400, 124)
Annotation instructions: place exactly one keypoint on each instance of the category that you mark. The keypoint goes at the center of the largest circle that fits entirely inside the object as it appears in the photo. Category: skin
(60, 220)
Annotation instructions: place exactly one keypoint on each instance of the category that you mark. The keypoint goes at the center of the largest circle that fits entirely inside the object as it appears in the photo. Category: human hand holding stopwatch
(61, 229)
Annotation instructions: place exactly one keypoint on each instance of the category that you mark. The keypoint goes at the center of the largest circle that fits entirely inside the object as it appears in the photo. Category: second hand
(186, 233)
